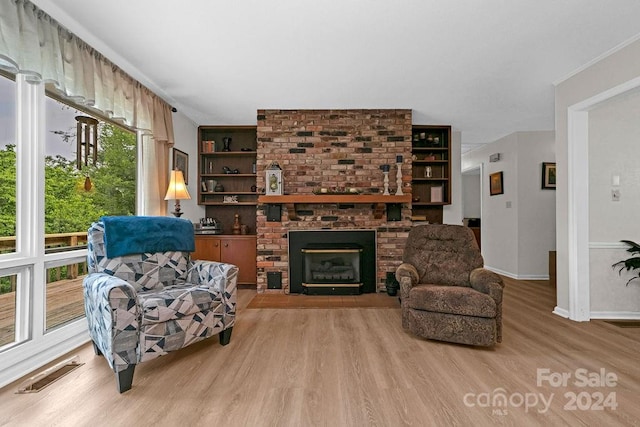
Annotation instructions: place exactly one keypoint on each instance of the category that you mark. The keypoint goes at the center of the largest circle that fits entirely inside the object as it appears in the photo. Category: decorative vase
(226, 141)
(237, 228)
(392, 284)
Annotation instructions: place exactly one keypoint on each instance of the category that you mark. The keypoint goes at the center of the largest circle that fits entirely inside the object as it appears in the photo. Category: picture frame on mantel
(548, 176)
(181, 163)
(496, 185)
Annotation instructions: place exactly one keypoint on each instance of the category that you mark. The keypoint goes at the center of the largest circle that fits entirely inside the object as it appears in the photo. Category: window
(89, 172)
(8, 282)
(8, 309)
(7, 165)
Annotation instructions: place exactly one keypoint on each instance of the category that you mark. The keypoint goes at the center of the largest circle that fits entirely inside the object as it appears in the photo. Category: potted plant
(632, 263)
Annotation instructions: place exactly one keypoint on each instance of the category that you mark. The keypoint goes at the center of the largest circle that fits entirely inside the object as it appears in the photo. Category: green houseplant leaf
(632, 263)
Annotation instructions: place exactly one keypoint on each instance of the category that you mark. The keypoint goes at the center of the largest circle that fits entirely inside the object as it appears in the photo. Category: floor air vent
(48, 376)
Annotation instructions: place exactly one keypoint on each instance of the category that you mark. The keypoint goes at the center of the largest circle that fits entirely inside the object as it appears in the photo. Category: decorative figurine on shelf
(385, 171)
(399, 176)
(226, 142)
(237, 228)
(219, 188)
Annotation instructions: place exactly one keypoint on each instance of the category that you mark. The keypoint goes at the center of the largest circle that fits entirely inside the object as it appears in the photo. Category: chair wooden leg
(96, 349)
(125, 378)
(225, 336)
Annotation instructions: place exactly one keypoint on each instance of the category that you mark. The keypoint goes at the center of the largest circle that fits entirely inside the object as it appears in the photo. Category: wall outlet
(615, 195)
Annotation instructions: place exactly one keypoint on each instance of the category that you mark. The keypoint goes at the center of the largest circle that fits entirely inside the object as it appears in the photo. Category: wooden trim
(378, 201)
(334, 198)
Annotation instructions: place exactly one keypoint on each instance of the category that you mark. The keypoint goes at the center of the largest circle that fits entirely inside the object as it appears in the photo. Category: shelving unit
(431, 171)
(237, 196)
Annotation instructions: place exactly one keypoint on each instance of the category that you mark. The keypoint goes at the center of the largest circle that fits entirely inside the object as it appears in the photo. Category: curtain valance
(33, 43)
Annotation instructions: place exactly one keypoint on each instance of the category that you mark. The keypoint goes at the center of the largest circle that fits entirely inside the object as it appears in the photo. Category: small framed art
(181, 162)
(496, 186)
(548, 176)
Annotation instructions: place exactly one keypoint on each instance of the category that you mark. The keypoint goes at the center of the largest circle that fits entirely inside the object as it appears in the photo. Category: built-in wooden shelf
(378, 201)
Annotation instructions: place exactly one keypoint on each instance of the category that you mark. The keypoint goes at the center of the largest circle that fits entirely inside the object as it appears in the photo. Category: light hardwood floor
(356, 367)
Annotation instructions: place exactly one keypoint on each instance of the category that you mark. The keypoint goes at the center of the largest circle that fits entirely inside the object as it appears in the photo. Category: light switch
(615, 180)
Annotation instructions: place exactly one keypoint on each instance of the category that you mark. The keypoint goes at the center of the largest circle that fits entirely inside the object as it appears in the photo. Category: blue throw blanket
(124, 235)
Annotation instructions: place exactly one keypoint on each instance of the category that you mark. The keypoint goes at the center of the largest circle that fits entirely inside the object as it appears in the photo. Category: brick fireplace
(332, 149)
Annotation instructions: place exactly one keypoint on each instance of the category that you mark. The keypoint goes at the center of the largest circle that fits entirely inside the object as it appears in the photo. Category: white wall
(186, 136)
(518, 228)
(614, 141)
(536, 207)
(616, 72)
(614, 136)
(499, 224)
(471, 195)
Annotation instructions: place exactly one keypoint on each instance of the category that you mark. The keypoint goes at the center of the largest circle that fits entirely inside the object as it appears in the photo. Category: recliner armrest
(408, 277)
(409, 271)
(487, 282)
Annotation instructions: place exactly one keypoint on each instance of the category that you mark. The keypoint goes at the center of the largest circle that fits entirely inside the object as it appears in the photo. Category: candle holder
(386, 183)
(399, 179)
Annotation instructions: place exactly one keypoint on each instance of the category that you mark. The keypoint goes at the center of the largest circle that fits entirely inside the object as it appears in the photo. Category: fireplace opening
(329, 262)
(331, 266)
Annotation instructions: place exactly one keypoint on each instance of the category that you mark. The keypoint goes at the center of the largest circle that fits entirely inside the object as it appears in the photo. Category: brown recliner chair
(446, 294)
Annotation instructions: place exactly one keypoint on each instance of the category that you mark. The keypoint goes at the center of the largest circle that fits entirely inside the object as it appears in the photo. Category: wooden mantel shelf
(378, 200)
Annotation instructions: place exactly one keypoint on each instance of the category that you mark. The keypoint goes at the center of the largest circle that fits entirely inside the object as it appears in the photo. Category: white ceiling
(486, 67)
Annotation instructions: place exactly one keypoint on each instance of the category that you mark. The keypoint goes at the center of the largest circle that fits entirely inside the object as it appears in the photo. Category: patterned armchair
(143, 305)
(445, 293)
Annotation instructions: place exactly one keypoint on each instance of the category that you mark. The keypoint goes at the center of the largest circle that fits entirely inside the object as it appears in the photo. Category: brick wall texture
(332, 149)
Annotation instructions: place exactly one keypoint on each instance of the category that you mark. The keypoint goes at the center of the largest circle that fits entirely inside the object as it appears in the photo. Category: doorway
(472, 201)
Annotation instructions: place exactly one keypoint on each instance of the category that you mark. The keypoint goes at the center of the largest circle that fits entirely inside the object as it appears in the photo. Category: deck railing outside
(53, 243)
(64, 301)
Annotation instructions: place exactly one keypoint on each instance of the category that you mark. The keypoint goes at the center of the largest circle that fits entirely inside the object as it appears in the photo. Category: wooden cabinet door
(207, 248)
(241, 251)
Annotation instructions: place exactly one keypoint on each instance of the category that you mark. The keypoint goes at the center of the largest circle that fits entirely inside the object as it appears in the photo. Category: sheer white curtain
(34, 44)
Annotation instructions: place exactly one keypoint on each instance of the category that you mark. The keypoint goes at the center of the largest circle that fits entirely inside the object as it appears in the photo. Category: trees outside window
(76, 197)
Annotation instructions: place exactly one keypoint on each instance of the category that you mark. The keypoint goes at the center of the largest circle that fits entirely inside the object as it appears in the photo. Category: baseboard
(501, 272)
(615, 315)
(533, 277)
(561, 312)
(517, 276)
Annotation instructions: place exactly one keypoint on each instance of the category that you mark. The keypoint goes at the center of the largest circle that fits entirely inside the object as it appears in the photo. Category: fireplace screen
(331, 265)
(332, 262)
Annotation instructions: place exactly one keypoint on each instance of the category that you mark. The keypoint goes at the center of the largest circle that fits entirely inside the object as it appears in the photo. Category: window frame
(34, 345)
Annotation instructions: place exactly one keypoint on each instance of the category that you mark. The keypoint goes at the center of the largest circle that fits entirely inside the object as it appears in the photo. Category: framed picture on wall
(181, 162)
(496, 185)
(548, 176)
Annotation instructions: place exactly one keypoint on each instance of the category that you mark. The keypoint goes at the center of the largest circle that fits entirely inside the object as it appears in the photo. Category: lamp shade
(177, 189)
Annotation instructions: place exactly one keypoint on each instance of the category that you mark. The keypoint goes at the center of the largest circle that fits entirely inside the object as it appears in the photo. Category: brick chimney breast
(332, 149)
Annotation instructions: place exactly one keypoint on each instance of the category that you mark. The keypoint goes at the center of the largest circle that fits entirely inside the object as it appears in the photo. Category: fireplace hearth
(330, 262)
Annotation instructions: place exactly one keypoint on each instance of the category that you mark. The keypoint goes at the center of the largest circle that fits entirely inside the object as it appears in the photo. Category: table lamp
(177, 190)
